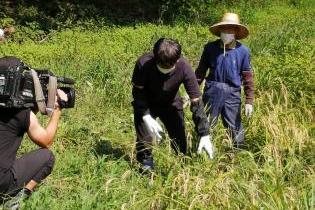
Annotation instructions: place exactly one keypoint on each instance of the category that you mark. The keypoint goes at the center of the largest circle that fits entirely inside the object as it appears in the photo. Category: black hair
(167, 52)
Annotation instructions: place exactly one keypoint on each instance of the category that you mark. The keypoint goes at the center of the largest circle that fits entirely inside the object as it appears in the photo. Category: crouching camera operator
(18, 177)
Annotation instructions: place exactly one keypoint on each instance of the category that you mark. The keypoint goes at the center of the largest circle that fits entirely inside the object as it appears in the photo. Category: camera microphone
(65, 80)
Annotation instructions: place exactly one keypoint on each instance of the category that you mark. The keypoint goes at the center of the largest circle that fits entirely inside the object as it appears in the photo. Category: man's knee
(48, 157)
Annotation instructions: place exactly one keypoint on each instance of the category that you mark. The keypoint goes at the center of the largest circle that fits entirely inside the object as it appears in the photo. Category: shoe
(14, 202)
(147, 166)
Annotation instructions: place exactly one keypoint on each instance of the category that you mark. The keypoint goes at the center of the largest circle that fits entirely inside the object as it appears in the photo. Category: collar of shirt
(230, 46)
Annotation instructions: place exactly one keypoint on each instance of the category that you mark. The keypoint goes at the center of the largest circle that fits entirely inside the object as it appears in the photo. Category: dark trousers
(173, 120)
(222, 99)
(36, 165)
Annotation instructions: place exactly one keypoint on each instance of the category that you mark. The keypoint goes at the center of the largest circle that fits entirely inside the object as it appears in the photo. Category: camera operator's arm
(44, 136)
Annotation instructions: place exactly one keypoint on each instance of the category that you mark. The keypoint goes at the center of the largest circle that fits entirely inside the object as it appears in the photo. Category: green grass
(95, 160)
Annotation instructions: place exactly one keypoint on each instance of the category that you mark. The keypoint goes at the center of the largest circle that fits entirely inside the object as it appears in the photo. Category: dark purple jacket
(161, 90)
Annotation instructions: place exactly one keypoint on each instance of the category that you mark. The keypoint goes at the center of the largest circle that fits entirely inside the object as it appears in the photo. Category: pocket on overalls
(236, 94)
(233, 72)
(205, 95)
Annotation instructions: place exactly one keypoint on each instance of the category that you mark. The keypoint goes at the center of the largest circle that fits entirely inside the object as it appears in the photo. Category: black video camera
(17, 87)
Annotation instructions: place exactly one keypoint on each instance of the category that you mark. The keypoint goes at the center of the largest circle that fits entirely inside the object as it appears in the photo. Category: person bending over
(156, 80)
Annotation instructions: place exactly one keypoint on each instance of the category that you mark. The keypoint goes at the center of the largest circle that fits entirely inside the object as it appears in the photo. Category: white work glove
(153, 127)
(248, 110)
(206, 144)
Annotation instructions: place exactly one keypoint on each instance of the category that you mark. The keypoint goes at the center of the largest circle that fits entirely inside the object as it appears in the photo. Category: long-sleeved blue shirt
(228, 68)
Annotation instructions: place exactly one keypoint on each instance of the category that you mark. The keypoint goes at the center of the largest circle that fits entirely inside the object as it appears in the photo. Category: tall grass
(96, 167)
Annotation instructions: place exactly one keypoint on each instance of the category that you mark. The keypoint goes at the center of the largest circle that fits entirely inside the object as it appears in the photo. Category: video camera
(24, 87)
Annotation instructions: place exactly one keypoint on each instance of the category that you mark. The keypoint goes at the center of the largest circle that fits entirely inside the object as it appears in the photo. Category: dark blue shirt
(227, 69)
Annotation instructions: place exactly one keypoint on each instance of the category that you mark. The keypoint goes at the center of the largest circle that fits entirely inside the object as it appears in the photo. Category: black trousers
(173, 120)
(36, 165)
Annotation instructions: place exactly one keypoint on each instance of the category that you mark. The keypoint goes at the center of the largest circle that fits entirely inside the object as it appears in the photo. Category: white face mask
(227, 38)
(165, 71)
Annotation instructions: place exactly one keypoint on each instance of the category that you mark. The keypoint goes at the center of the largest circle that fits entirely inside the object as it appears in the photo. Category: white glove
(153, 127)
(206, 144)
(248, 110)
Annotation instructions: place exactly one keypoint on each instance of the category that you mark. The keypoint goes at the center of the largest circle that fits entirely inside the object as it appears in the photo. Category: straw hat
(230, 20)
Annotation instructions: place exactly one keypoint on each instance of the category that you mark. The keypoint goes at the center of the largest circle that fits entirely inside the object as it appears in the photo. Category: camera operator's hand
(62, 95)
(61, 98)
(44, 136)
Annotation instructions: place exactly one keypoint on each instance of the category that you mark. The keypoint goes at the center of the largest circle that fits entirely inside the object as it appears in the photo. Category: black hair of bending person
(167, 52)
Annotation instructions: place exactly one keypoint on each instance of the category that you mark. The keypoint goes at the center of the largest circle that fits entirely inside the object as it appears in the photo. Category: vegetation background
(97, 43)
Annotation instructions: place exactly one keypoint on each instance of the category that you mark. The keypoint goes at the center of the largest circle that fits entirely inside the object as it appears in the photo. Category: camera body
(17, 85)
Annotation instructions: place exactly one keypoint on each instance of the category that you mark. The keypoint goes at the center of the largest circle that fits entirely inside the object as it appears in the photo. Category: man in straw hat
(229, 64)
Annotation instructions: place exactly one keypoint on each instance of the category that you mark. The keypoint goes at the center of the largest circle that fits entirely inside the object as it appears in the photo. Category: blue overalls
(221, 98)
(222, 91)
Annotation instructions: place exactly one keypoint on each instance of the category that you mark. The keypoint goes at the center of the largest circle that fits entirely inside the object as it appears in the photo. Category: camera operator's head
(166, 53)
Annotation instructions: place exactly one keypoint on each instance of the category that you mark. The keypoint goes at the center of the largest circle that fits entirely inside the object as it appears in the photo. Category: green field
(95, 160)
